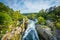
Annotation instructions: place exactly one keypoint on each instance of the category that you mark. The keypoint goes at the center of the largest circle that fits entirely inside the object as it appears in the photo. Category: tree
(42, 13)
(29, 16)
(54, 13)
(58, 25)
(41, 20)
(51, 16)
(32, 16)
(5, 22)
(4, 8)
(5, 19)
(16, 16)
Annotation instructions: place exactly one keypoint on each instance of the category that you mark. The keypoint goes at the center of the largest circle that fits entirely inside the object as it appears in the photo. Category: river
(30, 33)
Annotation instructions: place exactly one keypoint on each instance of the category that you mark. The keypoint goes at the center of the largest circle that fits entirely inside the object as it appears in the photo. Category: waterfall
(30, 33)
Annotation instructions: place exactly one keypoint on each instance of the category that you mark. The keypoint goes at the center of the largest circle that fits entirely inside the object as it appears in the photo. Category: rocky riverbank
(45, 33)
(15, 34)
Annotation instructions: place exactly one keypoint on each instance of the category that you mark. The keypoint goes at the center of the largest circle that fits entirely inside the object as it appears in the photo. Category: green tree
(41, 20)
(42, 13)
(5, 19)
(16, 16)
(54, 13)
(58, 25)
(29, 16)
(5, 22)
(51, 16)
(33, 16)
(4, 8)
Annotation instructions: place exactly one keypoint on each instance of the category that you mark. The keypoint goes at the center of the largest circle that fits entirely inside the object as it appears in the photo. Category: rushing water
(30, 33)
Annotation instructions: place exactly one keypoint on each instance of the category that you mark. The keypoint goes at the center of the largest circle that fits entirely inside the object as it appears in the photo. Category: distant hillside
(29, 13)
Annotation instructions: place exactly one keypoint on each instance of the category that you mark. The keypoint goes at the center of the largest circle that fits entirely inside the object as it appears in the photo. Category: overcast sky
(26, 6)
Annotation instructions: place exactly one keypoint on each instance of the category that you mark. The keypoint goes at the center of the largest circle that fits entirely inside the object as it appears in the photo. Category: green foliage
(16, 15)
(55, 13)
(26, 19)
(51, 16)
(41, 20)
(28, 16)
(3, 7)
(43, 26)
(42, 13)
(5, 19)
(58, 25)
(33, 16)
(5, 22)
(21, 17)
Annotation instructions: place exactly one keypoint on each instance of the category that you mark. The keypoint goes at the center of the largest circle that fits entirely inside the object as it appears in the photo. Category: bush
(41, 20)
(5, 19)
(58, 25)
(5, 22)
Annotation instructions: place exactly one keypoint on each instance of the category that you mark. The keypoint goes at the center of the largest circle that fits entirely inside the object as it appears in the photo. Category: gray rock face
(45, 32)
(58, 34)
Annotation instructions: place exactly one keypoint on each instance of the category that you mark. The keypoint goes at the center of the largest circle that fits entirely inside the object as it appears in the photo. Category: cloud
(26, 6)
(36, 5)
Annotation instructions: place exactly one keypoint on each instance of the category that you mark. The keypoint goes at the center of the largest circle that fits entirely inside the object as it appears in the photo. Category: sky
(28, 6)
